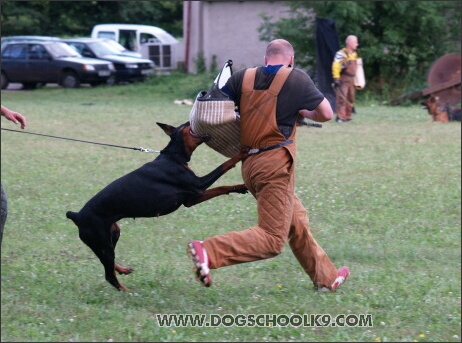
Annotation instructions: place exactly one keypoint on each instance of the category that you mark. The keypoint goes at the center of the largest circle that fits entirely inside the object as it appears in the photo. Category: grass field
(383, 195)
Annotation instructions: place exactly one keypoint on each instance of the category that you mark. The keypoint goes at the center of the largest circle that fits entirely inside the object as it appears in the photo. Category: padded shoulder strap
(249, 79)
(281, 76)
(279, 80)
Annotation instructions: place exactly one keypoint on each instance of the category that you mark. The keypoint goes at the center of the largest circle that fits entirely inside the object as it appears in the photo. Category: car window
(148, 38)
(5, 41)
(115, 45)
(62, 50)
(16, 51)
(106, 34)
(77, 47)
(128, 39)
(102, 49)
(37, 52)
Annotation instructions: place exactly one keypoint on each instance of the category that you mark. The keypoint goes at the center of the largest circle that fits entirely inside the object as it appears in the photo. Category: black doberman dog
(155, 189)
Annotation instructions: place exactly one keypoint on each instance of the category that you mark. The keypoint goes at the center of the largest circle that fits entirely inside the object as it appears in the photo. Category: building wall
(228, 30)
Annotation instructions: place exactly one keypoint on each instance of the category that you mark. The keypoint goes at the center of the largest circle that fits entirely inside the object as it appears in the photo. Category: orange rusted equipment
(444, 79)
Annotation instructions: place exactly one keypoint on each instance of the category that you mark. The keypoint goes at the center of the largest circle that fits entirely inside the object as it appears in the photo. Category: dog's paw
(123, 270)
(122, 288)
(241, 189)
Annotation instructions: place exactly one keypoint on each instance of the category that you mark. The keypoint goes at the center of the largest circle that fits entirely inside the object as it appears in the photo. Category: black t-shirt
(298, 92)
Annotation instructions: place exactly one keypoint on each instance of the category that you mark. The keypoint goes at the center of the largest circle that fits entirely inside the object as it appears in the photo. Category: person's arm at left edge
(322, 113)
(14, 116)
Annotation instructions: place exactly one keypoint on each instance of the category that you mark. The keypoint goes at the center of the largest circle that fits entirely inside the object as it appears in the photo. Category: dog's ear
(168, 129)
(432, 99)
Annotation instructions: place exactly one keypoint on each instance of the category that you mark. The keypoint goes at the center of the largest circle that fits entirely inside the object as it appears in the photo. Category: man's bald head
(279, 47)
(351, 42)
(279, 51)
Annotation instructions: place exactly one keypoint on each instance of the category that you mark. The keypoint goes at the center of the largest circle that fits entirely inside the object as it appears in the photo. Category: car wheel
(29, 85)
(111, 80)
(70, 80)
(96, 83)
(5, 81)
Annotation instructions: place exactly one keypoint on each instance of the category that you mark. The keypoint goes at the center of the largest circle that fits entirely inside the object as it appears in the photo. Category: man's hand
(337, 83)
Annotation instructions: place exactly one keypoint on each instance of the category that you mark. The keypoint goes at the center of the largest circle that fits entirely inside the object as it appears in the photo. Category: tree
(398, 39)
(76, 18)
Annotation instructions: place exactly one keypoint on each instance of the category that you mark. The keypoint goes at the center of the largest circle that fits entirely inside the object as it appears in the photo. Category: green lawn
(383, 194)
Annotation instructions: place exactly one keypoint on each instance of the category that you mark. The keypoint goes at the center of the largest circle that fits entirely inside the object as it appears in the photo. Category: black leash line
(79, 140)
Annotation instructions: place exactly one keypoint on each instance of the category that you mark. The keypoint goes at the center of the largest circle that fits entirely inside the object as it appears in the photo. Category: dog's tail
(72, 216)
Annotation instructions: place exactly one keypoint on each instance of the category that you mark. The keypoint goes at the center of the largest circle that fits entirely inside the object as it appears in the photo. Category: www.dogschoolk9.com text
(264, 320)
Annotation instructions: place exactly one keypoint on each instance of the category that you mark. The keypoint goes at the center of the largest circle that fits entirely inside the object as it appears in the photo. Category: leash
(303, 122)
(271, 147)
(79, 140)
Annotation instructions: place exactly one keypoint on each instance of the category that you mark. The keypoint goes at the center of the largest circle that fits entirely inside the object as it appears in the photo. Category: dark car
(128, 69)
(10, 39)
(41, 62)
(121, 49)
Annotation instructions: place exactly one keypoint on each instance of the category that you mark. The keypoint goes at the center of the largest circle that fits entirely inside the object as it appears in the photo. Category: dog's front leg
(215, 192)
(231, 163)
(207, 180)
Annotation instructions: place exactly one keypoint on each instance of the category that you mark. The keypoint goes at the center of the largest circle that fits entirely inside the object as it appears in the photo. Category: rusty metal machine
(443, 80)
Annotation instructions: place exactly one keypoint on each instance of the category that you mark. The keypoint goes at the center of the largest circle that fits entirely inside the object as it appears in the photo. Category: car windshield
(61, 50)
(102, 49)
(115, 45)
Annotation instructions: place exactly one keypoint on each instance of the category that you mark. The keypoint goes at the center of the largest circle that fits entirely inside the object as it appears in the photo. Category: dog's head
(430, 104)
(434, 109)
(183, 141)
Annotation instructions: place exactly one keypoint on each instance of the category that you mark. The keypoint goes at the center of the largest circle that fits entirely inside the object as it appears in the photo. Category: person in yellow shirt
(343, 71)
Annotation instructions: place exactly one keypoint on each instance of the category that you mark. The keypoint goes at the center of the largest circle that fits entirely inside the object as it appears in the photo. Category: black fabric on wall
(327, 44)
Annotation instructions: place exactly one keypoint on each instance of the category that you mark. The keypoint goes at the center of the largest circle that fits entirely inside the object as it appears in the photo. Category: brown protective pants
(345, 98)
(270, 177)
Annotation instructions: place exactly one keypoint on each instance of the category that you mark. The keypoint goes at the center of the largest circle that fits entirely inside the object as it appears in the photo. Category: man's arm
(339, 59)
(321, 114)
(15, 117)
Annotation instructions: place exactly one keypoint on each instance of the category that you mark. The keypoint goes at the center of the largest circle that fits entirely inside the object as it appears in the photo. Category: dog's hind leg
(107, 258)
(115, 234)
(100, 243)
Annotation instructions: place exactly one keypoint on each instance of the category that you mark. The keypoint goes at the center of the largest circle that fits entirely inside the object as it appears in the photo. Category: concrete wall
(228, 30)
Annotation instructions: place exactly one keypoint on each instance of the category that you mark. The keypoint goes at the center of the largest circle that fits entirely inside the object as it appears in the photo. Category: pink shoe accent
(342, 275)
(198, 254)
